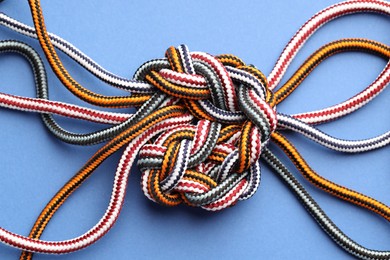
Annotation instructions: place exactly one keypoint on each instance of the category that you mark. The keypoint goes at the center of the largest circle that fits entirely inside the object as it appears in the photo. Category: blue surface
(121, 35)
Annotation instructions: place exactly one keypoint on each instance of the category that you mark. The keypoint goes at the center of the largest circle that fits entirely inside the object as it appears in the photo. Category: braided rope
(214, 162)
(318, 214)
(190, 182)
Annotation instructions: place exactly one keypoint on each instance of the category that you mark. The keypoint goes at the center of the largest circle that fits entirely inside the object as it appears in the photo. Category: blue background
(121, 35)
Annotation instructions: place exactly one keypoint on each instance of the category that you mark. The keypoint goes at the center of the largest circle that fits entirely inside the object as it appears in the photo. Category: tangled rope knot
(214, 163)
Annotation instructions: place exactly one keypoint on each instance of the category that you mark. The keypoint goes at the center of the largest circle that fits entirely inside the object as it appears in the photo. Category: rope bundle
(216, 162)
(201, 126)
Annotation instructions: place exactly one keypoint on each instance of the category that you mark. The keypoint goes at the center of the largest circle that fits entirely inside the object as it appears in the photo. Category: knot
(213, 163)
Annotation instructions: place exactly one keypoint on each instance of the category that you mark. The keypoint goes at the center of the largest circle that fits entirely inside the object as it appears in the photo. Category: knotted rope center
(212, 163)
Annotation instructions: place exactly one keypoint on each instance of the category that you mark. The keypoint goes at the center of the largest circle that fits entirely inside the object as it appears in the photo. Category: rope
(318, 214)
(202, 124)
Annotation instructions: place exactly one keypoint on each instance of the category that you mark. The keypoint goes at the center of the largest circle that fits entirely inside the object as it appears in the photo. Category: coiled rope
(203, 123)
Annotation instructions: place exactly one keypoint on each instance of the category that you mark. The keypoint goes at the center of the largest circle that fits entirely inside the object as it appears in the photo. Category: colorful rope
(210, 164)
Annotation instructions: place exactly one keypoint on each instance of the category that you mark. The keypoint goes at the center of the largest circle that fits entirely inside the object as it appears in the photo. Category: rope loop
(214, 163)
